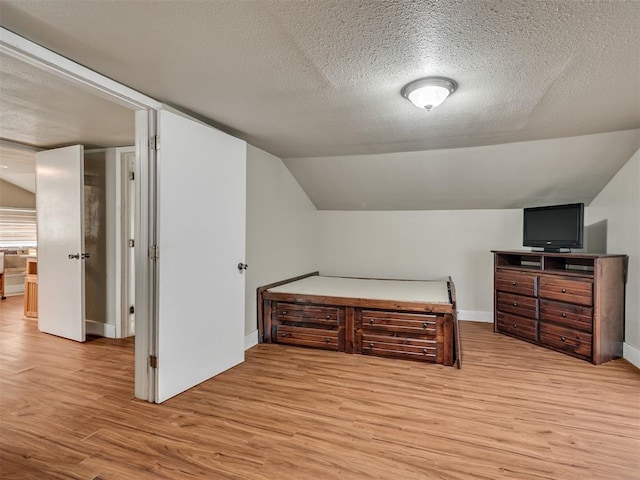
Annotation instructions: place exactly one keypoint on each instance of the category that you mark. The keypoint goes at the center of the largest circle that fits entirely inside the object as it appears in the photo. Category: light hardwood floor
(514, 411)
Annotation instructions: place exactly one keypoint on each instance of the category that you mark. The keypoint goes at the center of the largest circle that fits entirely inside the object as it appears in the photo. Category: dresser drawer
(517, 304)
(517, 326)
(308, 337)
(572, 291)
(316, 314)
(567, 340)
(400, 347)
(407, 323)
(567, 314)
(517, 282)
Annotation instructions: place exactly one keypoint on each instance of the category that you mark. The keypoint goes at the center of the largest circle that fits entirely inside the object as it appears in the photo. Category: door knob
(242, 267)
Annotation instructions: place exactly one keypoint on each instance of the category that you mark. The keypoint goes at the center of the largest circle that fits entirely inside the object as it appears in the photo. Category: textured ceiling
(318, 83)
(323, 77)
(38, 108)
(513, 175)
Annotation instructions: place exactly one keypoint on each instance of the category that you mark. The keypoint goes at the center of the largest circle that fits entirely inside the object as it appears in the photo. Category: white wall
(421, 245)
(619, 205)
(281, 226)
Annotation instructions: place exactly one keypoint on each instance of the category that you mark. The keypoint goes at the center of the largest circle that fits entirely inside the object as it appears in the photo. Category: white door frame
(145, 125)
(125, 233)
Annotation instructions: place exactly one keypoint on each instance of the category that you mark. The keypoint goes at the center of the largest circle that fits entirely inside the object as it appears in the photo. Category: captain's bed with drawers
(410, 319)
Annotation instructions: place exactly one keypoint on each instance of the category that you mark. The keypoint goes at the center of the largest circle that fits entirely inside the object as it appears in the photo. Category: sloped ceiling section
(513, 175)
(323, 77)
(17, 166)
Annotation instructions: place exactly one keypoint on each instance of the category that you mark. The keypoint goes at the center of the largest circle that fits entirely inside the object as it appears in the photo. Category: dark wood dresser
(569, 302)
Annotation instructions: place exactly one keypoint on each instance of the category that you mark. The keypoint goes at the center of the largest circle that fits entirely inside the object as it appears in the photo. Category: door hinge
(132, 175)
(132, 243)
(132, 310)
(154, 252)
(153, 361)
(154, 142)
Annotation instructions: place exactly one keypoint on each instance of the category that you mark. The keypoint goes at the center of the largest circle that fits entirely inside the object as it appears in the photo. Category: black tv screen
(554, 227)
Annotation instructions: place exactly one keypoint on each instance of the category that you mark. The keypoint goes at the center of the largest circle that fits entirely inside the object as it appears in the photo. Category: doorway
(185, 332)
(35, 80)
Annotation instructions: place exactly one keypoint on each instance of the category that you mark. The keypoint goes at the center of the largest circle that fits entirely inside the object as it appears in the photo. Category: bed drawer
(567, 340)
(567, 314)
(572, 291)
(516, 282)
(517, 304)
(308, 337)
(407, 323)
(316, 314)
(517, 326)
(399, 347)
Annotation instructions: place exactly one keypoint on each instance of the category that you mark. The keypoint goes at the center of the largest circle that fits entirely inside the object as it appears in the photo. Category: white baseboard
(631, 354)
(251, 339)
(101, 329)
(10, 290)
(475, 316)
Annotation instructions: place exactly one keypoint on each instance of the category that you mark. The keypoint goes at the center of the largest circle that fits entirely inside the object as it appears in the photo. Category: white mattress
(432, 291)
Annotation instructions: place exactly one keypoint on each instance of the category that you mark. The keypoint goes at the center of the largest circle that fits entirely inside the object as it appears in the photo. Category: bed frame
(423, 331)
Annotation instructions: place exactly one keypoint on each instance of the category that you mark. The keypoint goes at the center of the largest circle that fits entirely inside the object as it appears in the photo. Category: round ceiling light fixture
(429, 92)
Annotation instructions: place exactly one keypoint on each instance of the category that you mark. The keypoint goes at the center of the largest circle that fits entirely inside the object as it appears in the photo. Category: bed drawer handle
(515, 304)
(564, 339)
(371, 345)
(514, 283)
(424, 351)
(564, 290)
(371, 321)
(328, 317)
(564, 315)
(283, 334)
(425, 324)
(515, 325)
(327, 340)
(284, 312)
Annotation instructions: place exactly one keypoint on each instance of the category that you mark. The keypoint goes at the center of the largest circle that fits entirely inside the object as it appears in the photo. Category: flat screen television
(554, 227)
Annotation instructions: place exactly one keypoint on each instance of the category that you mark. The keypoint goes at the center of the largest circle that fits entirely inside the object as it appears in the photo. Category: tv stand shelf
(569, 302)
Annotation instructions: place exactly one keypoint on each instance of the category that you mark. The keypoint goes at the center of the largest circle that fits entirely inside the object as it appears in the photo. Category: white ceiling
(40, 109)
(322, 78)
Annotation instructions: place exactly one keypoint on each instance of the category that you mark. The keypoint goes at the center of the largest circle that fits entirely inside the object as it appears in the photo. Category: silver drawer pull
(424, 350)
(514, 283)
(563, 339)
(515, 325)
(564, 315)
(371, 321)
(284, 312)
(564, 290)
(515, 304)
(425, 324)
(283, 334)
(327, 340)
(371, 345)
(328, 317)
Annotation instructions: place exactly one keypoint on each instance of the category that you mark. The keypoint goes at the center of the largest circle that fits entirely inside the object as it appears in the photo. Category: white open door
(201, 239)
(59, 216)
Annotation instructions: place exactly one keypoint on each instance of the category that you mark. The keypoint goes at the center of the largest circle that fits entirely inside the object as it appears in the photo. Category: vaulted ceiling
(322, 78)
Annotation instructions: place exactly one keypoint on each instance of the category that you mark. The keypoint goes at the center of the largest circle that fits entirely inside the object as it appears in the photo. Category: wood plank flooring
(514, 411)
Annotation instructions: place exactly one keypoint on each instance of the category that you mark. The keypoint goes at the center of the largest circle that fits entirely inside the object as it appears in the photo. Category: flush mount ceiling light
(429, 92)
